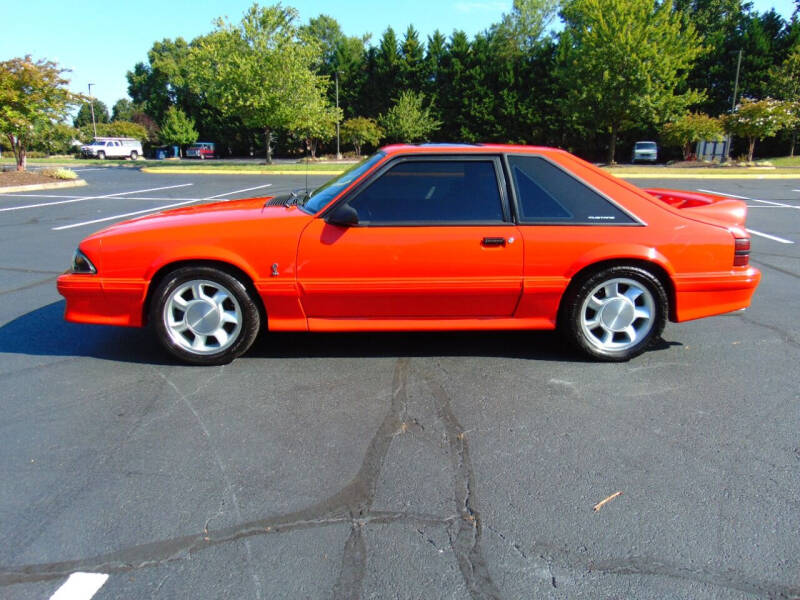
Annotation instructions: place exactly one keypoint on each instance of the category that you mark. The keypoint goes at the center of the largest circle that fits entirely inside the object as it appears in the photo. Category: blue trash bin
(176, 152)
(161, 155)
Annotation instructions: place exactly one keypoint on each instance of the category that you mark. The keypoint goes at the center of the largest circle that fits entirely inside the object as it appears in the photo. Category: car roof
(454, 148)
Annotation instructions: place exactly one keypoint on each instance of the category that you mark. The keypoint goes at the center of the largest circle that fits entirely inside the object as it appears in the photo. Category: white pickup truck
(111, 147)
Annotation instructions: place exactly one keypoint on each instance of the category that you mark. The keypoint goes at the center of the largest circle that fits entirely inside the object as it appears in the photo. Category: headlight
(81, 264)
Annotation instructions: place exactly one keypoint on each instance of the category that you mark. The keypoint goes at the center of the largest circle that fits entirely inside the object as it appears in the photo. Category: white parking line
(258, 187)
(41, 196)
(769, 202)
(156, 208)
(724, 194)
(83, 198)
(80, 586)
(774, 238)
(130, 214)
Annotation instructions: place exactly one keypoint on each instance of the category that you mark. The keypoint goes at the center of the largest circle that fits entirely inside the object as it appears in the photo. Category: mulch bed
(13, 178)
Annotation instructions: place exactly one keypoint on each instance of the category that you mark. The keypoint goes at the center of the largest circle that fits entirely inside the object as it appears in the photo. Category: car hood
(203, 214)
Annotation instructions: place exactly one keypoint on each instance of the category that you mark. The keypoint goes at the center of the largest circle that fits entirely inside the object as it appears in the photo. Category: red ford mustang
(431, 237)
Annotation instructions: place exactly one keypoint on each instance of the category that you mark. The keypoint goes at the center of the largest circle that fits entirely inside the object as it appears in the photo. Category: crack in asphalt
(785, 337)
(763, 263)
(186, 399)
(352, 506)
(28, 286)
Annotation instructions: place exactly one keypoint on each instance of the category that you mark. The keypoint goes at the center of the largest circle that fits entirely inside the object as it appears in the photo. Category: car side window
(432, 192)
(547, 194)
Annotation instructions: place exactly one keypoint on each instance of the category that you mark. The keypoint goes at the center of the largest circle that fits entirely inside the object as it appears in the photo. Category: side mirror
(342, 215)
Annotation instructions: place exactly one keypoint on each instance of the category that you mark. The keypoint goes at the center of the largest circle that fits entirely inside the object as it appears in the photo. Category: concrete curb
(43, 186)
(169, 170)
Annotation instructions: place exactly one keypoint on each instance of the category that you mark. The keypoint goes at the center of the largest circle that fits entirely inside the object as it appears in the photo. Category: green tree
(177, 129)
(758, 119)
(784, 84)
(53, 138)
(114, 129)
(123, 110)
(523, 28)
(626, 62)
(162, 81)
(360, 131)
(317, 123)
(408, 120)
(259, 71)
(691, 128)
(412, 61)
(342, 55)
(32, 94)
(84, 116)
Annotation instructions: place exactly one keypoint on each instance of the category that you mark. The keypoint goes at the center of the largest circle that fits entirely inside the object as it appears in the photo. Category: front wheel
(101, 155)
(615, 314)
(204, 316)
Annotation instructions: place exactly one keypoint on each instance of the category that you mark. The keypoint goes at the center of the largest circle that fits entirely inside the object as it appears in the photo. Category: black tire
(101, 155)
(215, 351)
(622, 331)
(134, 155)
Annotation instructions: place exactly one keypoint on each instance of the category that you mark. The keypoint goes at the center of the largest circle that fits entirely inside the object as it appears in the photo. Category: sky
(101, 41)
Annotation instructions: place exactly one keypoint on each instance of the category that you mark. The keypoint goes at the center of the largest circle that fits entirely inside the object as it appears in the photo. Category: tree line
(585, 75)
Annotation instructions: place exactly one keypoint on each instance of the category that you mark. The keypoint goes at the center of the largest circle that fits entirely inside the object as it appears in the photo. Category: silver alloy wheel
(617, 314)
(202, 317)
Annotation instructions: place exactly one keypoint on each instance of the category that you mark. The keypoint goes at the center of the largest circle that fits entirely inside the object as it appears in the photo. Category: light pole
(733, 102)
(91, 105)
(338, 153)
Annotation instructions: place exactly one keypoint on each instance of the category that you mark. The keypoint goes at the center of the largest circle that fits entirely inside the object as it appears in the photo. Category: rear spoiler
(718, 208)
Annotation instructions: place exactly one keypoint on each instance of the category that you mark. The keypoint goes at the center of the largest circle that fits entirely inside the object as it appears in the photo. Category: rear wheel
(134, 155)
(204, 316)
(615, 314)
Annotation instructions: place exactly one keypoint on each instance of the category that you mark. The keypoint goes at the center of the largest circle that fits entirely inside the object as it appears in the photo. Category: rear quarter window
(548, 194)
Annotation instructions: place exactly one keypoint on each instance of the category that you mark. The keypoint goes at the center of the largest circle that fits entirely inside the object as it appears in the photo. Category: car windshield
(97, 143)
(645, 145)
(324, 194)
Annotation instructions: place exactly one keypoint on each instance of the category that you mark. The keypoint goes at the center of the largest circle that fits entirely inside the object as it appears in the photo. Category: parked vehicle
(431, 237)
(646, 151)
(112, 147)
(201, 150)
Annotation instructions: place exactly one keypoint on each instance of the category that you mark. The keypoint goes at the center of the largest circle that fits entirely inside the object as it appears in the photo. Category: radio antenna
(307, 144)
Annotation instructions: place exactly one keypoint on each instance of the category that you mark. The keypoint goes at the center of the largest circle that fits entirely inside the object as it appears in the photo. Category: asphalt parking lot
(391, 465)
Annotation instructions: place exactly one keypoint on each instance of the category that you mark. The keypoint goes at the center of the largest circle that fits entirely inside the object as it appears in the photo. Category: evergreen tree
(177, 129)
(84, 116)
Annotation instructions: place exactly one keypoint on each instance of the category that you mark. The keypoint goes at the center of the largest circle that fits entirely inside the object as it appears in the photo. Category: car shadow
(43, 332)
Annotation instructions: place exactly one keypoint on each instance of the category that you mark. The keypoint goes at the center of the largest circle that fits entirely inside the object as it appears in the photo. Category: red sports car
(430, 237)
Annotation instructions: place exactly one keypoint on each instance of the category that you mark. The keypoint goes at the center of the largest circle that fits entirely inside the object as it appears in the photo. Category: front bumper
(92, 299)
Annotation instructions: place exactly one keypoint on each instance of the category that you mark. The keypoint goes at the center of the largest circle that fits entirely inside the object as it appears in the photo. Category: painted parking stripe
(258, 187)
(724, 194)
(768, 202)
(80, 586)
(774, 238)
(83, 198)
(154, 209)
(130, 214)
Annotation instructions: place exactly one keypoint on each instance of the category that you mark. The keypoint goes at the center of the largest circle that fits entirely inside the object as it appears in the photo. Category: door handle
(494, 241)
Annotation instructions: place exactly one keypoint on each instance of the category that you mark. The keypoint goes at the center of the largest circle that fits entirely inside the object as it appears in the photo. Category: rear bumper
(709, 294)
(92, 299)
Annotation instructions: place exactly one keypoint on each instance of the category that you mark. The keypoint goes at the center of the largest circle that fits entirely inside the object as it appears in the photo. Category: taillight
(741, 256)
